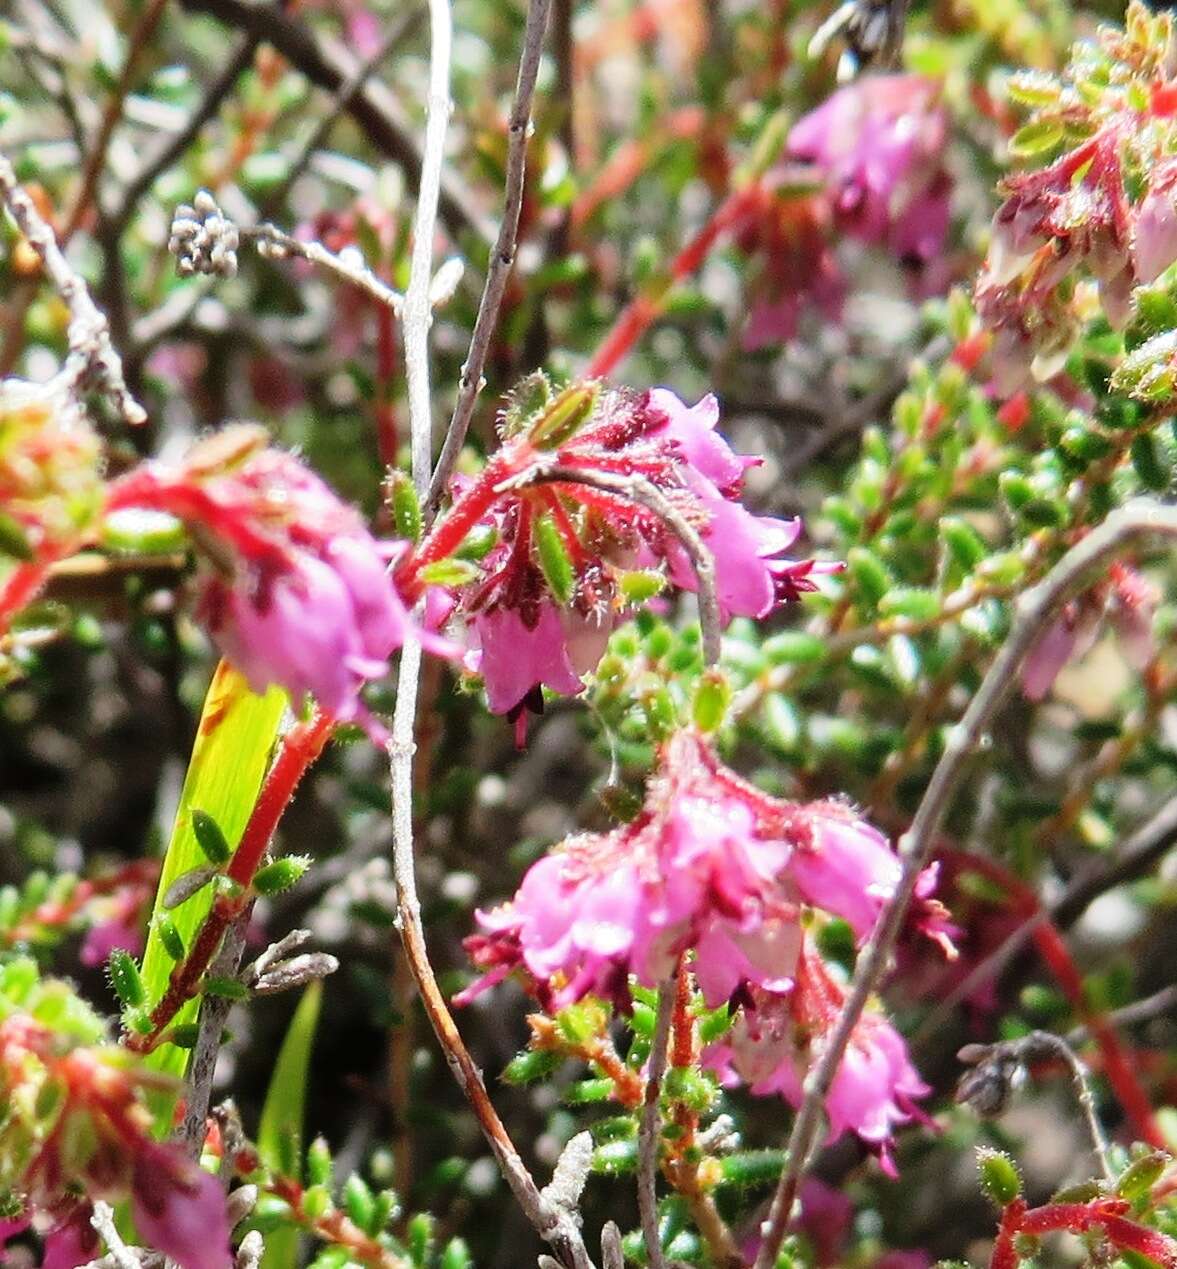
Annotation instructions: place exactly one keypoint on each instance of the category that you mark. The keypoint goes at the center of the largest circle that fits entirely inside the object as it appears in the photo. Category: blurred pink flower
(880, 143)
(1125, 598)
(1154, 229)
(299, 593)
(116, 932)
(72, 1241)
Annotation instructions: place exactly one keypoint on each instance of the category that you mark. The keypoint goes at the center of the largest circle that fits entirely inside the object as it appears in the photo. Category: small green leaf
(125, 979)
(794, 647)
(964, 544)
(910, 601)
(711, 700)
(449, 572)
(564, 417)
(999, 1177)
(406, 506)
(532, 1065)
(210, 839)
(280, 875)
(870, 577)
(170, 936)
(554, 560)
(1035, 138)
(1141, 1175)
(358, 1201)
(637, 586)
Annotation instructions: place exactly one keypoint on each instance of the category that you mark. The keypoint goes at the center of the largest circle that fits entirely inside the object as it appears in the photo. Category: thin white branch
(502, 255)
(1137, 520)
(418, 313)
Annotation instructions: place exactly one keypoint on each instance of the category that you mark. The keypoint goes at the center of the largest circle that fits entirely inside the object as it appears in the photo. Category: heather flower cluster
(50, 475)
(563, 561)
(75, 1131)
(294, 590)
(876, 151)
(714, 867)
(1106, 207)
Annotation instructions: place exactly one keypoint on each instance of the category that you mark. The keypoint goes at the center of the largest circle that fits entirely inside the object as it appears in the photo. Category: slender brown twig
(1133, 522)
(649, 1130)
(502, 256)
(553, 1221)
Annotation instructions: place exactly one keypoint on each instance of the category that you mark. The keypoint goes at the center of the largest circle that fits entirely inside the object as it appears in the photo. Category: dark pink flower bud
(179, 1209)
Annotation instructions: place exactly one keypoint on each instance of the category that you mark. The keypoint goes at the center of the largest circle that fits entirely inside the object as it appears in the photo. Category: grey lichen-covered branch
(93, 361)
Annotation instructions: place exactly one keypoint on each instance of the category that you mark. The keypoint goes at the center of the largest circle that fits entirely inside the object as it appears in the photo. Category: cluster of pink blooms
(295, 590)
(524, 636)
(715, 867)
(98, 1142)
(877, 146)
(778, 1035)
(1108, 206)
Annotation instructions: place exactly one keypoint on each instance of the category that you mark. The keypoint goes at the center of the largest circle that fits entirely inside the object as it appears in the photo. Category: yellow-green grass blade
(229, 760)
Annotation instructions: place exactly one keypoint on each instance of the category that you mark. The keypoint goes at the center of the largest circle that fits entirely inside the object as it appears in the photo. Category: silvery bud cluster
(204, 239)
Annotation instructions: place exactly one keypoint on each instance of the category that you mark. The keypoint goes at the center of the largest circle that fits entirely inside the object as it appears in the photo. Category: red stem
(300, 747)
(19, 588)
(1005, 1254)
(449, 532)
(637, 317)
(1106, 1214)
(386, 429)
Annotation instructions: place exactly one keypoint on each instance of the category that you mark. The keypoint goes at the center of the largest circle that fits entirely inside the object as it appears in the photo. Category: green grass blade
(229, 760)
(279, 1137)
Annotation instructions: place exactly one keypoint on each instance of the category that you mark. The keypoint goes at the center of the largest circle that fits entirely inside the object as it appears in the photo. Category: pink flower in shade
(710, 865)
(179, 1209)
(777, 1037)
(825, 1219)
(1125, 598)
(299, 593)
(880, 144)
(115, 933)
(788, 239)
